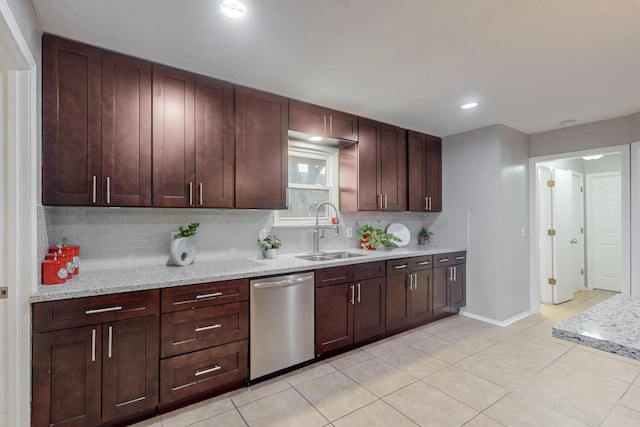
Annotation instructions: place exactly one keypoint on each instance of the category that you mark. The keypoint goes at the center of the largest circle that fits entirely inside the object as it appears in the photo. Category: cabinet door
(214, 143)
(434, 173)
(459, 287)
(131, 359)
(173, 138)
(307, 118)
(393, 168)
(71, 163)
(421, 296)
(369, 308)
(398, 300)
(368, 165)
(334, 317)
(66, 377)
(441, 289)
(342, 125)
(262, 142)
(126, 131)
(417, 171)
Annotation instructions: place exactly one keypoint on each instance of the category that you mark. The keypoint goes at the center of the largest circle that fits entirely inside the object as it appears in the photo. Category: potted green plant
(423, 236)
(183, 246)
(270, 245)
(371, 237)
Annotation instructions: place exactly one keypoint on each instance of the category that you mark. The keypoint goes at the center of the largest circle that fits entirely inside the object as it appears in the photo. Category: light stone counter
(613, 326)
(102, 282)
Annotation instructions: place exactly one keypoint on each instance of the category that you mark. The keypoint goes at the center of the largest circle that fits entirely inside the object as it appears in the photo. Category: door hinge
(581, 189)
(4, 292)
(581, 230)
(551, 183)
(551, 232)
(552, 281)
(582, 271)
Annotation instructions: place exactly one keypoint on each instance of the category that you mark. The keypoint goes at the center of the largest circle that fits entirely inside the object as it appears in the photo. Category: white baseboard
(502, 323)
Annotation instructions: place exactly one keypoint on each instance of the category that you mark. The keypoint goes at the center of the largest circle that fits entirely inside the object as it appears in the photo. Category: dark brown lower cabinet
(449, 283)
(409, 289)
(349, 312)
(95, 374)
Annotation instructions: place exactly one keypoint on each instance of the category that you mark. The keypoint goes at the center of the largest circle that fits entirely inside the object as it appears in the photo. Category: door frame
(19, 141)
(534, 217)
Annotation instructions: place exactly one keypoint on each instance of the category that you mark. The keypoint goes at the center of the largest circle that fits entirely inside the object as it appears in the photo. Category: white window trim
(331, 155)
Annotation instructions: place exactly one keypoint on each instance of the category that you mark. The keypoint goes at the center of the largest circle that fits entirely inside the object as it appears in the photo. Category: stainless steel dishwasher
(281, 323)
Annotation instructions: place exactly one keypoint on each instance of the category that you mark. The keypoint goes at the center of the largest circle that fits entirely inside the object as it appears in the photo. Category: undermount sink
(328, 256)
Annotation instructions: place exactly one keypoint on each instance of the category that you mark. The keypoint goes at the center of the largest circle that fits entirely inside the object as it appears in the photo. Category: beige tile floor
(454, 372)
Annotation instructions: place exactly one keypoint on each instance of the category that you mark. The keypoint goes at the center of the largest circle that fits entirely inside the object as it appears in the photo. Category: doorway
(580, 221)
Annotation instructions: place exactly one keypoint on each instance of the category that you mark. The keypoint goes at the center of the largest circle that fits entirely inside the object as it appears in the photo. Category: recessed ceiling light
(233, 9)
(594, 157)
(469, 105)
(315, 138)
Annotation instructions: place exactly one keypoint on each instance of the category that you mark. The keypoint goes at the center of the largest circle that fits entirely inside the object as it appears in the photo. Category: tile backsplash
(122, 237)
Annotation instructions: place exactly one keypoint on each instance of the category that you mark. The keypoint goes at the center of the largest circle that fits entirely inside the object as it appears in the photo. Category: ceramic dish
(401, 232)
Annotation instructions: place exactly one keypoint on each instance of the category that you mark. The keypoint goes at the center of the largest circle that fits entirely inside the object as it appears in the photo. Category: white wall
(485, 173)
(25, 15)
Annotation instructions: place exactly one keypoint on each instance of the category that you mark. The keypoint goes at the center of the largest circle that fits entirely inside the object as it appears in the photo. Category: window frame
(317, 152)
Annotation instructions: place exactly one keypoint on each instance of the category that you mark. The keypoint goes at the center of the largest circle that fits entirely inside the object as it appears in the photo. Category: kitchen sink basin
(328, 256)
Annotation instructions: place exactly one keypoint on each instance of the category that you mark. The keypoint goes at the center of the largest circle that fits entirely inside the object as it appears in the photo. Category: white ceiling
(529, 63)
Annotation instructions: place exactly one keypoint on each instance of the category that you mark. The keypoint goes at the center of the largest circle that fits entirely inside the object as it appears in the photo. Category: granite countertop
(102, 282)
(612, 325)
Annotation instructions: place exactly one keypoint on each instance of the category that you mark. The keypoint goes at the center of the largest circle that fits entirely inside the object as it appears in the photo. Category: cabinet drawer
(460, 258)
(204, 295)
(204, 370)
(369, 270)
(191, 330)
(55, 315)
(334, 275)
(398, 266)
(421, 263)
(443, 260)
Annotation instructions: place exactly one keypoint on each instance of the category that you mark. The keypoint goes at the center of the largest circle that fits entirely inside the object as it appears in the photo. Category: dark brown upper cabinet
(262, 121)
(96, 126)
(425, 172)
(192, 140)
(319, 121)
(378, 166)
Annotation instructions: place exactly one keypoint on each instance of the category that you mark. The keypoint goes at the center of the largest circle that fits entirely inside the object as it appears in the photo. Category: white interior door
(568, 244)
(604, 238)
(545, 242)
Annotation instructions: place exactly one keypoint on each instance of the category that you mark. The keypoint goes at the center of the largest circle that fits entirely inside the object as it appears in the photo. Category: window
(313, 179)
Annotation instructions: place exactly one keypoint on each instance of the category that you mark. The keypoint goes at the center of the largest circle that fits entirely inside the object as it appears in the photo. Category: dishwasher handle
(282, 283)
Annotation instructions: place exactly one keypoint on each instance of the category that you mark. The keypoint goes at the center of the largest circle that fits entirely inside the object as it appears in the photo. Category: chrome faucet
(319, 234)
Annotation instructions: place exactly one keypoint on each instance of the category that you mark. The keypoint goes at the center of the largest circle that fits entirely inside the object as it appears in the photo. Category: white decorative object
(401, 232)
(271, 253)
(183, 251)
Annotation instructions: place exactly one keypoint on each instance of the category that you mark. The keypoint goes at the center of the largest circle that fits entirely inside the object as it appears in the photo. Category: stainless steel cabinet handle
(208, 371)
(281, 283)
(206, 328)
(379, 200)
(103, 310)
(574, 241)
(201, 196)
(93, 345)
(358, 286)
(215, 294)
(95, 178)
(108, 190)
(459, 258)
(430, 205)
(455, 274)
(443, 260)
(191, 194)
(110, 341)
(399, 267)
(415, 281)
(410, 278)
(386, 201)
(450, 274)
(424, 263)
(352, 294)
(426, 203)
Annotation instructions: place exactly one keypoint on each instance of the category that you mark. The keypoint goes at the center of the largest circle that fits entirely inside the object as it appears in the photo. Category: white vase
(271, 253)
(183, 251)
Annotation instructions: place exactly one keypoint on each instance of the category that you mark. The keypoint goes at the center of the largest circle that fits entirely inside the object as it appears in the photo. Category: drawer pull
(206, 328)
(443, 260)
(459, 258)
(424, 263)
(103, 310)
(213, 295)
(208, 371)
(399, 267)
(93, 345)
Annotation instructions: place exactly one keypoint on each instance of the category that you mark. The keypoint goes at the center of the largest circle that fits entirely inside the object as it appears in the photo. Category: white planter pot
(271, 253)
(183, 251)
